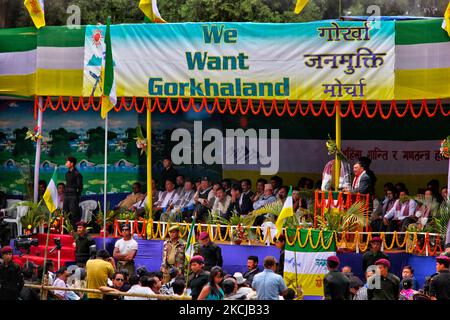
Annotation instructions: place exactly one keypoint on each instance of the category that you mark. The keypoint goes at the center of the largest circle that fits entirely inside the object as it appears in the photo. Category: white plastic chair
(19, 212)
(87, 207)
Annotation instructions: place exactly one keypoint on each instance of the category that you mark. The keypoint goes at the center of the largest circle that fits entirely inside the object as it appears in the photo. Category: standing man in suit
(361, 182)
(72, 192)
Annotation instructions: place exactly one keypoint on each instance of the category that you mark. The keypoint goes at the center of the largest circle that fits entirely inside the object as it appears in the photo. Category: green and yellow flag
(51, 193)
(300, 5)
(287, 211)
(109, 99)
(446, 22)
(36, 10)
(150, 9)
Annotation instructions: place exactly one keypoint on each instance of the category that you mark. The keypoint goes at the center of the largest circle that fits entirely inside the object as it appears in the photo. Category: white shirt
(398, 214)
(139, 289)
(60, 283)
(125, 246)
(170, 198)
(244, 290)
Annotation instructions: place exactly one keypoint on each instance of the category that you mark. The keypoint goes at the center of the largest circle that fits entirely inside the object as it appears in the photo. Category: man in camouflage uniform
(173, 253)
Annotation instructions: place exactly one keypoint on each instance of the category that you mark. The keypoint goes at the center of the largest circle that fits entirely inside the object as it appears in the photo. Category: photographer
(11, 278)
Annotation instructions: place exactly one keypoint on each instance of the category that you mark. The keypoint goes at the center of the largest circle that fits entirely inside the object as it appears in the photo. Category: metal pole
(105, 180)
(337, 161)
(37, 160)
(149, 159)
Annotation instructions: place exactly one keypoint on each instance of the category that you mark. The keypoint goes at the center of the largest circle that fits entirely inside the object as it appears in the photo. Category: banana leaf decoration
(33, 134)
(333, 149)
(141, 141)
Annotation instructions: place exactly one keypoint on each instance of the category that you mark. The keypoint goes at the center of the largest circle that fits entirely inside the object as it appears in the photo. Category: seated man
(202, 199)
(184, 203)
(135, 196)
(397, 217)
(140, 205)
(266, 198)
(240, 203)
(166, 199)
(221, 203)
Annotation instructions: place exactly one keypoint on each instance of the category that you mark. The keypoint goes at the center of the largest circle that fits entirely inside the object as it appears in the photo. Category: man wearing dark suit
(361, 182)
(336, 285)
(240, 203)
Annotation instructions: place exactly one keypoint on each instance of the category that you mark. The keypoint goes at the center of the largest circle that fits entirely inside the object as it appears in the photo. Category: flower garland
(34, 134)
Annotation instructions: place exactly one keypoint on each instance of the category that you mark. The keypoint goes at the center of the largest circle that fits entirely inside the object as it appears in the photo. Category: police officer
(375, 254)
(210, 251)
(11, 278)
(83, 243)
(440, 283)
(336, 285)
(72, 193)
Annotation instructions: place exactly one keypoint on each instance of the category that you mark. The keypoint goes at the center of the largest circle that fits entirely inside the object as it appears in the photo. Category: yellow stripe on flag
(150, 9)
(287, 211)
(311, 284)
(36, 12)
(300, 5)
(446, 23)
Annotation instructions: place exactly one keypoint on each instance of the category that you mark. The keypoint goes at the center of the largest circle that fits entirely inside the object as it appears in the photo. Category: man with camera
(11, 278)
(83, 242)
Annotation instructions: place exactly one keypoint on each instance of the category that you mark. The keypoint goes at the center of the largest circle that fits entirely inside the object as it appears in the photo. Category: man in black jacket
(239, 204)
(83, 243)
(11, 278)
(252, 269)
(336, 285)
(209, 251)
(168, 172)
(384, 285)
(440, 283)
(199, 276)
(72, 192)
(370, 257)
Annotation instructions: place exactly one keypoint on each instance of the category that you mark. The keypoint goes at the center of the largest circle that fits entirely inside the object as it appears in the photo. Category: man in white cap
(267, 198)
(242, 284)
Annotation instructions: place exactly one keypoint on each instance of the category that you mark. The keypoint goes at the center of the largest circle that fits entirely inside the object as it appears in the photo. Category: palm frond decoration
(35, 214)
(339, 221)
(442, 218)
(272, 209)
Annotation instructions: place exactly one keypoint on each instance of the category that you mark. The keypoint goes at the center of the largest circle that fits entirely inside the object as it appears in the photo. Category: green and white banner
(309, 61)
(305, 261)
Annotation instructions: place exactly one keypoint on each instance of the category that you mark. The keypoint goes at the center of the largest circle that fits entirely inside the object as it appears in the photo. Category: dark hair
(407, 283)
(248, 181)
(388, 184)
(281, 238)
(170, 180)
(408, 267)
(146, 281)
(269, 262)
(72, 159)
(152, 281)
(365, 162)
(61, 184)
(49, 264)
(180, 175)
(220, 188)
(103, 254)
(61, 270)
(178, 286)
(253, 258)
(28, 270)
(285, 188)
(289, 295)
(116, 273)
(332, 264)
(215, 271)
(261, 180)
(173, 272)
(236, 187)
(400, 186)
(42, 183)
(159, 275)
(445, 263)
(227, 181)
(278, 181)
(133, 280)
(433, 183)
(138, 184)
(228, 286)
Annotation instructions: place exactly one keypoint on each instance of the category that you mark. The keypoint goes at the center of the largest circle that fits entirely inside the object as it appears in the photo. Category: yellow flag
(36, 10)
(300, 5)
(150, 9)
(446, 23)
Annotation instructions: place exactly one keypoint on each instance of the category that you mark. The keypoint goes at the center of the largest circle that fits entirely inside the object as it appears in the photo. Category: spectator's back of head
(178, 286)
(133, 280)
(407, 283)
(228, 286)
(269, 262)
(103, 254)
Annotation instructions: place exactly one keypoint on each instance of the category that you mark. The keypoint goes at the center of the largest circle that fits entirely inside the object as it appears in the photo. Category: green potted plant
(34, 217)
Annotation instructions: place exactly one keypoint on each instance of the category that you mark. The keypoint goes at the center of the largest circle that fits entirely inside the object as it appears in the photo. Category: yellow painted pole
(337, 162)
(149, 160)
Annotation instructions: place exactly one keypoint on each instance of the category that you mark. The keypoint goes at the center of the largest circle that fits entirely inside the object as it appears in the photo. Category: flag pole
(337, 160)
(37, 159)
(105, 174)
(149, 161)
